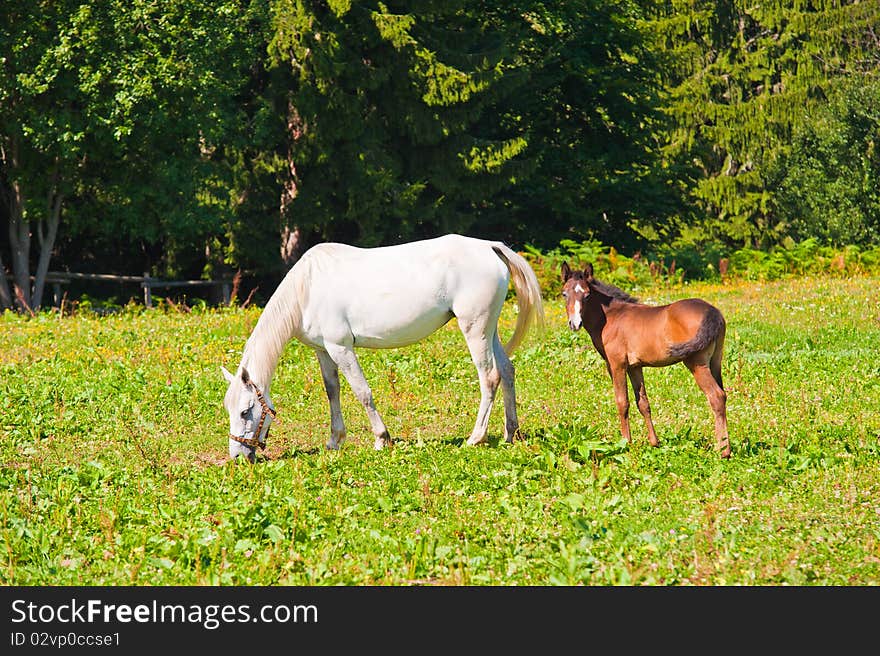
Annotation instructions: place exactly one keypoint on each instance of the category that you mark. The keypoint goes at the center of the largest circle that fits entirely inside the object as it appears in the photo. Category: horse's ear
(566, 271)
(588, 271)
(245, 376)
(228, 376)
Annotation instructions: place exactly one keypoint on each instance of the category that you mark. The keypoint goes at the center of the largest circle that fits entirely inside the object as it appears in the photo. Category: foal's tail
(712, 329)
(528, 294)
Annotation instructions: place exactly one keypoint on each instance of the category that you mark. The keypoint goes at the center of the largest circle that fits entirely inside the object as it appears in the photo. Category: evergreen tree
(590, 114)
(742, 77)
(383, 116)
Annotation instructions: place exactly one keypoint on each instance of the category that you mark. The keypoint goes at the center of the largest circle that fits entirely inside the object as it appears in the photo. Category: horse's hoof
(477, 442)
(512, 436)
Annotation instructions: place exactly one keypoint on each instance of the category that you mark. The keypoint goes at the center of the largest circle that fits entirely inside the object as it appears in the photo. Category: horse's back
(392, 296)
(695, 312)
(659, 335)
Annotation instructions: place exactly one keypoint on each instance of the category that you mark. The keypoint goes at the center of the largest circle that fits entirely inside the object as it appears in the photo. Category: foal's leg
(482, 353)
(717, 398)
(637, 378)
(506, 369)
(621, 397)
(330, 374)
(347, 361)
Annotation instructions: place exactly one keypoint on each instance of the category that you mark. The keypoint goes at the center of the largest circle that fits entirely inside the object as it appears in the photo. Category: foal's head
(575, 290)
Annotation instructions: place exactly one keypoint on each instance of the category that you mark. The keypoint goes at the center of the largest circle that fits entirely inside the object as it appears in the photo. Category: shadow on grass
(493, 442)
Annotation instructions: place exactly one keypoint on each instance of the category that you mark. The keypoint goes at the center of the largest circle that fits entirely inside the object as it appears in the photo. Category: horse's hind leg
(347, 361)
(717, 398)
(482, 353)
(637, 378)
(506, 370)
(330, 374)
(715, 360)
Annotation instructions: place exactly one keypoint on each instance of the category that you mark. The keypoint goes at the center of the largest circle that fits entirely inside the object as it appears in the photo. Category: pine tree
(392, 131)
(742, 77)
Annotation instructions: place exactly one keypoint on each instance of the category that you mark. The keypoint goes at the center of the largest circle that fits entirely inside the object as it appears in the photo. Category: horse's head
(575, 290)
(250, 414)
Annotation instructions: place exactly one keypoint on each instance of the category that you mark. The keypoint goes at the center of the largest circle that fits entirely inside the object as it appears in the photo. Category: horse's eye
(564, 294)
(245, 413)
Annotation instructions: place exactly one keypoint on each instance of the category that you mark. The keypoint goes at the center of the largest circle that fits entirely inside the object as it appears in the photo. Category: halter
(254, 441)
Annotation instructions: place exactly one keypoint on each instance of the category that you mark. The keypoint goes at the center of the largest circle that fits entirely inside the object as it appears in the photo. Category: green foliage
(181, 138)
(117, 110)
(671, 265)
(742, 78)
(633, 273)
(113, 472)
(828, 180)
(390, 111)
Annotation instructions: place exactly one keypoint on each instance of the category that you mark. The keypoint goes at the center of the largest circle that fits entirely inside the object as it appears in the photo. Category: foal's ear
(228, 376)
(566, 271)
(588, 271)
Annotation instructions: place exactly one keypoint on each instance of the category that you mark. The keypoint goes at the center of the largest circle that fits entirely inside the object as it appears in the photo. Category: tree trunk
(290, 246)
(20, 245)
(19, 227)
(5, 294)
(47, 242)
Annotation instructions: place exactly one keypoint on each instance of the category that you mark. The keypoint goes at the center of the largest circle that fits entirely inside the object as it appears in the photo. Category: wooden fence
(58, 278)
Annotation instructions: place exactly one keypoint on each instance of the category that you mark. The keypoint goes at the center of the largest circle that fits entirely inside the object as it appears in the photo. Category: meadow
(113, 456)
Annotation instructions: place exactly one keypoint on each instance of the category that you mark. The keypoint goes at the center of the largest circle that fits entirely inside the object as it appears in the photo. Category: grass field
(113, 457)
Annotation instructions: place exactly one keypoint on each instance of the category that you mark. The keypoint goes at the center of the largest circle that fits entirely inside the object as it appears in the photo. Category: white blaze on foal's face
(574, 292)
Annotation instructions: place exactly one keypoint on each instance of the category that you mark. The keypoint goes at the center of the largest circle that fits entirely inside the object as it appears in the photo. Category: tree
(828, 182)
(115, 105)
(590, 114)
(742, 77)
(394, 129)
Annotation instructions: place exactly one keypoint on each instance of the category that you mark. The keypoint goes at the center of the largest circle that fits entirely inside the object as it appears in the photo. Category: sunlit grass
(114, 468)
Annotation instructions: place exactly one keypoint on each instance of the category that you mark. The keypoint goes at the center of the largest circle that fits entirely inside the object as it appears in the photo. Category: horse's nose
(237, 450)
(574, 323)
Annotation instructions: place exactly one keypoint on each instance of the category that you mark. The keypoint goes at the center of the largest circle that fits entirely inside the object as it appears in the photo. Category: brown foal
(630, 335)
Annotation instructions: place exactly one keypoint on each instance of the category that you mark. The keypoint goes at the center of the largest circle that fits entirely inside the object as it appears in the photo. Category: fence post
(148, 296)
(225, 289)
(56, 294)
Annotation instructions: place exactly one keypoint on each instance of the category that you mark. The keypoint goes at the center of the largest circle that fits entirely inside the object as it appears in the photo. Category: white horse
(338, 297)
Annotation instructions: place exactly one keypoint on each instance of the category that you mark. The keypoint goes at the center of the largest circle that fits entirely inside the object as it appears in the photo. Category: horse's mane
(612, 291)
(279, 321)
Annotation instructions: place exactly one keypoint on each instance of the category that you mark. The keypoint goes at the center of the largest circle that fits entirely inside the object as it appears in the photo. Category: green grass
(113, 457)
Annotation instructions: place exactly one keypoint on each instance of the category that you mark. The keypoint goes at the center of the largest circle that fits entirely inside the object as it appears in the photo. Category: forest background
(188, 139)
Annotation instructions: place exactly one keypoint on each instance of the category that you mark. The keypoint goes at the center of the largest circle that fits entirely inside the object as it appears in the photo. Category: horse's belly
(379, 331)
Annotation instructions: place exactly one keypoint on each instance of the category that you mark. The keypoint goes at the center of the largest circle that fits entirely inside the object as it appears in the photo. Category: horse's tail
(712, 329)
(528, 294)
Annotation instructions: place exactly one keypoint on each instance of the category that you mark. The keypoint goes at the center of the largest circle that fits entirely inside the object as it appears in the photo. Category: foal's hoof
(382, 442)
(476, 441)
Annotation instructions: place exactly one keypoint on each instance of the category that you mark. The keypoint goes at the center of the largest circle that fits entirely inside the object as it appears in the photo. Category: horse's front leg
(637, 378)
(330, 374)
(621, 397)
(345, 358)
